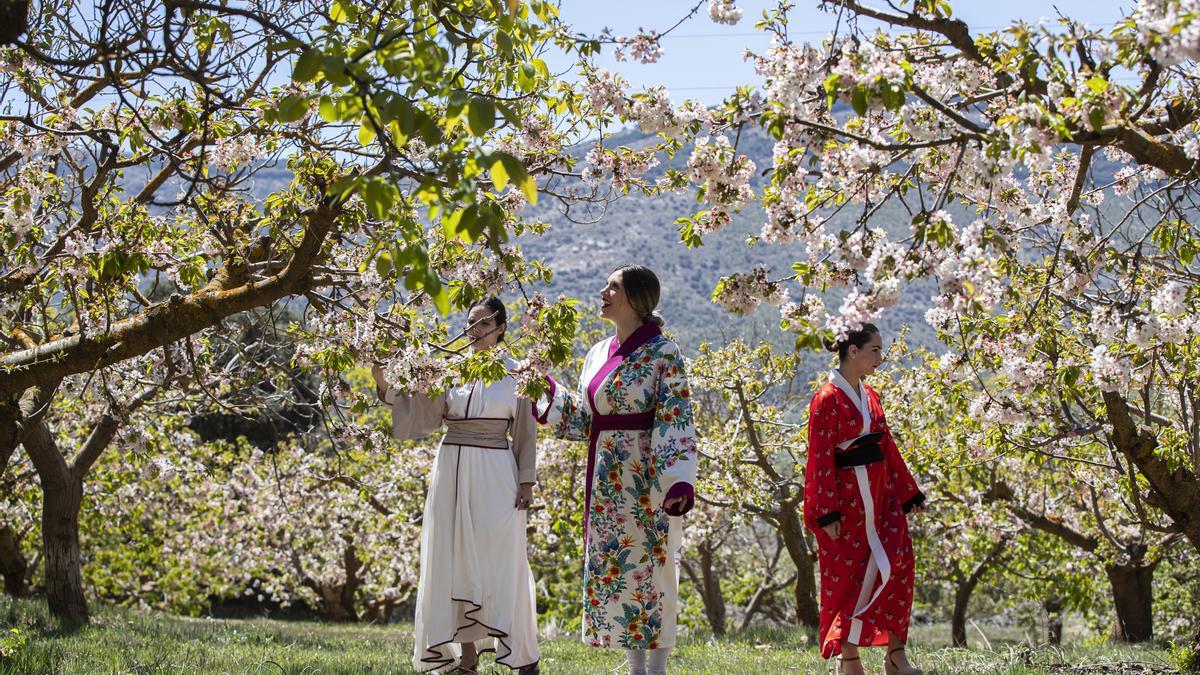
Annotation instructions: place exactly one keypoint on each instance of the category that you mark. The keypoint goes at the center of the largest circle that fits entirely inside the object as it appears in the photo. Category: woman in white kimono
(634, 410)
(476, 590)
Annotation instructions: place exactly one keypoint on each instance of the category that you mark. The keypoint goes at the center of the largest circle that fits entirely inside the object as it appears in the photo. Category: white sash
(879, 563)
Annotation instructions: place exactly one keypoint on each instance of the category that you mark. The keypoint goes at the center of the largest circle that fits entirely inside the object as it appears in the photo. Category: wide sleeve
(524, 439)
(673, 437)
(909, 493)
(820, 489)
(565, 412)
(415, 416)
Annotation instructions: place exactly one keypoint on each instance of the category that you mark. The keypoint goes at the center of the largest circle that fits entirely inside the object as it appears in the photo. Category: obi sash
(478, 432)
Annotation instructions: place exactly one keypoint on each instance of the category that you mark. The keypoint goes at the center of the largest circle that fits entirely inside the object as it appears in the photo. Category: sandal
(842, 660)
(890, 667)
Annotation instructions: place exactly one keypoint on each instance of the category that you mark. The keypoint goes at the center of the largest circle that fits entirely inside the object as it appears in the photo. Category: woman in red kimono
(857, 493)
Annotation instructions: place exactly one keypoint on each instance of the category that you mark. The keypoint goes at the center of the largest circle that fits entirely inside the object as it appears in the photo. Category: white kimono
(475, 583)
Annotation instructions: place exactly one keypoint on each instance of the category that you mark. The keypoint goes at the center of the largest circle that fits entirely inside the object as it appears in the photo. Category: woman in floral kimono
(634, 410)
(857, 491)
(476, 589)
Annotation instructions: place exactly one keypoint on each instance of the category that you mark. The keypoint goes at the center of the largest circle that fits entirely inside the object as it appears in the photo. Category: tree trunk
(808, 614)
(714, 598)
(64, 564)
(13, 565)
(962, 594)
(62, 495)
(1133, 598)
(14, 20)
(1054, 624)
(1173, 489)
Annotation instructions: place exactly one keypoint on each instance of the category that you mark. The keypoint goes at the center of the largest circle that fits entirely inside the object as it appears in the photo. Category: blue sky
(703, 60)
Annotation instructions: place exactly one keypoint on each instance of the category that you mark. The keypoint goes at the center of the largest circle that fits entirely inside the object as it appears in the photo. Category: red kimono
(866, 573)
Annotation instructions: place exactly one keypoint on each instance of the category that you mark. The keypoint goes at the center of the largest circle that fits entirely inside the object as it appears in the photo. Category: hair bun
(655, 318)
(832, 345)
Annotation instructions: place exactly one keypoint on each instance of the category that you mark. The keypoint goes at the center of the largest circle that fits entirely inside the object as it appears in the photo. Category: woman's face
(483, 329)
(614, 304)
(865, 359)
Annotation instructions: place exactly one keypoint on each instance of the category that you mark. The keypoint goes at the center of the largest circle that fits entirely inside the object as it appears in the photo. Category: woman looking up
(633, 408)
(476, 589)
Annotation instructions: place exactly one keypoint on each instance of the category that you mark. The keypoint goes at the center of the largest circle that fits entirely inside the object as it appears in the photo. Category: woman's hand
(524, 496)
(670, 505)
(833, 529)
(381, 384)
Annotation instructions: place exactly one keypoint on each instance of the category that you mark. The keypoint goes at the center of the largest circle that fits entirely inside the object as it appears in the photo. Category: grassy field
(128, 641)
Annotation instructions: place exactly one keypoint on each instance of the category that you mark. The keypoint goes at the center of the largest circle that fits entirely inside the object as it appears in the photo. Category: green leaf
(1096, 118)
(499, 175)
(340, 12)
(831, 88)
(520, 177)
(481, 116)
(378, 196)
(307, 65)
(328, 109)
(1097, 84)
(292, 108)
(858, 99)
(366, 132)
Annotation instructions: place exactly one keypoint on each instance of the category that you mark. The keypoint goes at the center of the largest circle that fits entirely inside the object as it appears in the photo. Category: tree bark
(62, 496)
(1054, 624)
(165, 322)
(1133, 598)
(13, 565)
(714, 598)
(1173, 490)
(14, 20)
(808, 613)
(708, 584)
(64, 563)
(962, 594)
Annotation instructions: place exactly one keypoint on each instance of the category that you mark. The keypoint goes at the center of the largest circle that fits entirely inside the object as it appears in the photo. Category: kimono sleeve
(415, 416)
(909, 493)
(820, 490)
(565, 412)
(673, 437)
(524, 440)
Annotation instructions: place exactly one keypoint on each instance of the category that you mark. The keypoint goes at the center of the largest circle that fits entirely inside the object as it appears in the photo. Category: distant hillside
(641, 230)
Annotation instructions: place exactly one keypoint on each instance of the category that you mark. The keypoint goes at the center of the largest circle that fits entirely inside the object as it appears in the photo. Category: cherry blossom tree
(752, 454)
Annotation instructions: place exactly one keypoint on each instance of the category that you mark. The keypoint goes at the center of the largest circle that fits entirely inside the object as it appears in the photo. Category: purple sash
(643, 421)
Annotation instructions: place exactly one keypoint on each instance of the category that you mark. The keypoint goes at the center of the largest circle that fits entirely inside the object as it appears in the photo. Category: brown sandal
(843, 660)
(890, 667)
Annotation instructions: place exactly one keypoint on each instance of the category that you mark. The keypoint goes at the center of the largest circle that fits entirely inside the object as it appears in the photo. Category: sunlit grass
(121, 640)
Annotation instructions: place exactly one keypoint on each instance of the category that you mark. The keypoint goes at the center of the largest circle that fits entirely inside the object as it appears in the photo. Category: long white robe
(475, 583)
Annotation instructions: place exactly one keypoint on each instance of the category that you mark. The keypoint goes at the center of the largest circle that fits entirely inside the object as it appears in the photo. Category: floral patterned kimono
(866, 573)
(633, 407)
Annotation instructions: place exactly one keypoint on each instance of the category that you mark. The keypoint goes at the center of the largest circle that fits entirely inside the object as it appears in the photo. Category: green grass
(128, 641)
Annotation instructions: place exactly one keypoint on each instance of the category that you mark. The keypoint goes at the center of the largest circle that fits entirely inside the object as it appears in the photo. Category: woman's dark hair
(643, 290)
(498, 311)
(858, 338)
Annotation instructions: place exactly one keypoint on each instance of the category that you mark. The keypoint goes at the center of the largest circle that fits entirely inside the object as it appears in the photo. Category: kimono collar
(639, 337)
(861, 402)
